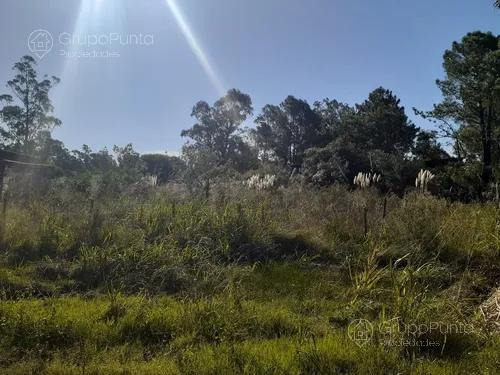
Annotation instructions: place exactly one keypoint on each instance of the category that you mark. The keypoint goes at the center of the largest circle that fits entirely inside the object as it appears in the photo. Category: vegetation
(249, 281)
(25, 121)
(471, 93)
(329, 239)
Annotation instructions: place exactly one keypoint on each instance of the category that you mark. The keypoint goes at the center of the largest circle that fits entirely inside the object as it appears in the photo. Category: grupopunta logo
(360, 331)
(40, 43)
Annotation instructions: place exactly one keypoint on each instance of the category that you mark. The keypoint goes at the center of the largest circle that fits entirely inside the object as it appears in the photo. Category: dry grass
(248, 282)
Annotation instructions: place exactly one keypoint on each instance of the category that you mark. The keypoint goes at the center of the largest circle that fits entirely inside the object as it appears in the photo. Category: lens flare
(195, 46)
(94, 17)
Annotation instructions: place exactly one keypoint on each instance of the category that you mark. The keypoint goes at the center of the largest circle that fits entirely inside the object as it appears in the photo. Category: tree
(33, 114)
(202, 166)
(336, 163)
(497, 3)
(287, 131)
(127, 157)
(53, 151)
(340, 163)
(469, 112)
(381, 124)
(130, 164)
(165, 167)
(101, 161)
(373, 136)
(336, 118)
(217, 129)
(427, 148)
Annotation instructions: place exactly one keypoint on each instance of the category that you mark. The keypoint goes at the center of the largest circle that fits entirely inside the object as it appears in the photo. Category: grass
(251, 282)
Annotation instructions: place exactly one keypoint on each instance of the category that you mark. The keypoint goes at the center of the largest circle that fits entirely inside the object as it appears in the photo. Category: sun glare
(94, 17)
(195, 46)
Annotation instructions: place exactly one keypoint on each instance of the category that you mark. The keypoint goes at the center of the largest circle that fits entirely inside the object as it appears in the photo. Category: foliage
(25, 121)
(328, 143)
(286, 131)
(469, 112)
(375, 136)
(381, 124)
(218, 125)
(165, 167)
(266, 282)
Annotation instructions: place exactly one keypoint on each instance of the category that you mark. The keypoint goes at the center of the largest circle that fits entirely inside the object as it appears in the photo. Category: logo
(40, 43)
(360, 331)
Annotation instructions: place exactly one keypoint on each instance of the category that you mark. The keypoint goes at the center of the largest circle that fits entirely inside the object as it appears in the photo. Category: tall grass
(249, 282)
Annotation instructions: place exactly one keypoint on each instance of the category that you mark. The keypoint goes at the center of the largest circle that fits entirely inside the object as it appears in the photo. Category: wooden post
(497, 195)
(4, 211)
(2, 175)
(207, 188)
(365, 219)
(239, 210)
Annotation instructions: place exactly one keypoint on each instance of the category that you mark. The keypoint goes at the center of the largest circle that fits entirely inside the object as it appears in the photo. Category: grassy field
(249, 282)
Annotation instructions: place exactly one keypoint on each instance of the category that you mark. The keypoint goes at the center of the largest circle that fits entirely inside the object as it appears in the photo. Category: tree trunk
(485, 125)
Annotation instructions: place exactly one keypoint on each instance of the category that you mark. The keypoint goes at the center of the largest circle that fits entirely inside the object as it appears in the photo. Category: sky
(132, 70)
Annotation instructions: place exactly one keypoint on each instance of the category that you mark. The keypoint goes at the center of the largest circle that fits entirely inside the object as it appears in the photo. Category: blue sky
(269, 49)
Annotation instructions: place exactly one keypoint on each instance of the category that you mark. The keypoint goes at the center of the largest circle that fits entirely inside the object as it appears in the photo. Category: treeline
(322, 143)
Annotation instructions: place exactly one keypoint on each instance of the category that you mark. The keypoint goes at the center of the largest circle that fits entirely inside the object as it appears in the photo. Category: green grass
(257, 283)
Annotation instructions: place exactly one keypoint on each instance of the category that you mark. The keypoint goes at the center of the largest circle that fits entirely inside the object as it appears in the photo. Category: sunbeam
(94, 17)
(196, 47)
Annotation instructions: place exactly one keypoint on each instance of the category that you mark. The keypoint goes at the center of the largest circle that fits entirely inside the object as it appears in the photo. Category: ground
(279, 282)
